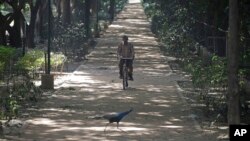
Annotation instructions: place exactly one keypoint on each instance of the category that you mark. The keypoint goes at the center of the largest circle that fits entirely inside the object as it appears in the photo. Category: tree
(57, 3)
(77, 8)
(15, 31)
(233, 64)
(112, 10)
(66, 12)
(87, 16)
(6, 20)
(31, 27)
(42, 20)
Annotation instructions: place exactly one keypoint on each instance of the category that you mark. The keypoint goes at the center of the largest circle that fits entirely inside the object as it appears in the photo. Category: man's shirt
(126, 51)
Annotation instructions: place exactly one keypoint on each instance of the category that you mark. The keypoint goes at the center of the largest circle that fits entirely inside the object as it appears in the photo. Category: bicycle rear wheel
(125, 77)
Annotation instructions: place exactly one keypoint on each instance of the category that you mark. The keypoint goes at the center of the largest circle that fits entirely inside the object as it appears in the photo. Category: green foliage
(242, 75)
(32, 60)
(1, 66)
(5, 8)
(35, 59)
(21, 93)
(205, 75)
(6, 54)
(209, 76)
(151, 8)
(218, 71)
(183, 28)
(70, 37)
(120, 4)
(9, 108)
(172, 29)
(57, 59)
(103, 10)
(26, 91)
(245, 57)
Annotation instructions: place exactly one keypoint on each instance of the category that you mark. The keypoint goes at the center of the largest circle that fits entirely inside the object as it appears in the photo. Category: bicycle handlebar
(126, 58)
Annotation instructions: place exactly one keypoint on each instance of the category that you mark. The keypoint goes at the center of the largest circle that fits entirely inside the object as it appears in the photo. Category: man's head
(125, 39)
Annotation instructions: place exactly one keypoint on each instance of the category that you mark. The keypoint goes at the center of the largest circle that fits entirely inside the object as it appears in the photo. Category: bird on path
(116, 117)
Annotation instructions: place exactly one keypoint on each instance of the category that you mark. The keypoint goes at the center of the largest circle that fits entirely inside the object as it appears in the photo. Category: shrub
(33, 59)
(6, 54)
(57, 59)
(70, 37)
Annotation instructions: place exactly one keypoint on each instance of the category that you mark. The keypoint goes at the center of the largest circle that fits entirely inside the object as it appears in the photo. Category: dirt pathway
(160, 113)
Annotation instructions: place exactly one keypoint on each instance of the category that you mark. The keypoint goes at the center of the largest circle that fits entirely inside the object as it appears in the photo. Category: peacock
(115, 117)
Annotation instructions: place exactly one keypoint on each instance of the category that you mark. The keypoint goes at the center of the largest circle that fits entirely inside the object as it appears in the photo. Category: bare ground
(160, 111)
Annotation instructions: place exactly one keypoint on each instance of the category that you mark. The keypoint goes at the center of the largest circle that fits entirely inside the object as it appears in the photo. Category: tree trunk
(58, 8)
(15, 31)
(77, 8)
(87, 17)
(31, 27)
(5, 26)
(40, 22)
(112, 10)
(66, 14)
(94, 7)
(233, 64)
(15, 35)
(1, 129)
(2, 30)
(2, 37)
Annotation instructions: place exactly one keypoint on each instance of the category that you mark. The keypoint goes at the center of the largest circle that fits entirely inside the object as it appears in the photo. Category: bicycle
(125, 73)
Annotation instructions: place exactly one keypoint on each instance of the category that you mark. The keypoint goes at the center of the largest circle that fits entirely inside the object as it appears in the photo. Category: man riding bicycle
(126, 50)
